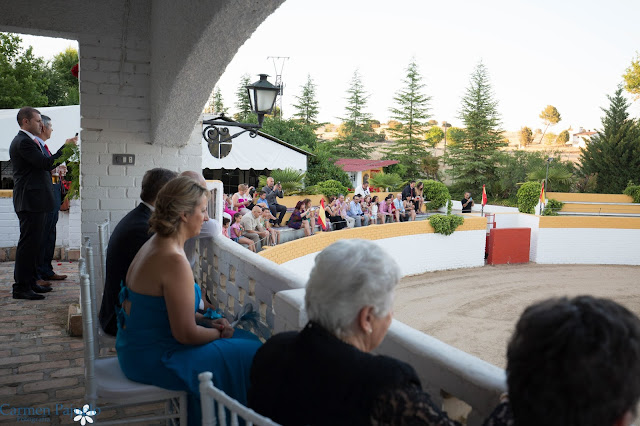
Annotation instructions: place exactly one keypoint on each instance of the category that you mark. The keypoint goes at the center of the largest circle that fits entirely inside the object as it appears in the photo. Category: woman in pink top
(241, 199)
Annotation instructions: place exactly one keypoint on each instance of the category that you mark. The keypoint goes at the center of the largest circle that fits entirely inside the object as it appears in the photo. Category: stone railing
(234, 276)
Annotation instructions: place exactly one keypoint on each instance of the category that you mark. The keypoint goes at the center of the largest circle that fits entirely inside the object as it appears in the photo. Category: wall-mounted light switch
(124, 159)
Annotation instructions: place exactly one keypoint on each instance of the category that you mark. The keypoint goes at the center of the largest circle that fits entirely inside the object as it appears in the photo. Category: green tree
(291, 131)
(63, 86)
(412, 112)
(526, 136)
(550, 116)
(218, 104)
(632, 77)
(307, 106)
(614, 152)
(242, 101)
(434, 136)
(563, 137)
(23, 76)
(474, 159)
(356, 125)
(321, 167)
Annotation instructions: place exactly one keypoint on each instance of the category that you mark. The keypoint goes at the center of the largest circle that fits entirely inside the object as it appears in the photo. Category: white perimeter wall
(589, 246)
(67, 230)
(417, 254)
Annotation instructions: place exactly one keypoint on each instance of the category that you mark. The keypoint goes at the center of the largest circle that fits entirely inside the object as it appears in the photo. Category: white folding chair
(104, 232)
(105, 383)
(103, 341)
(210, 395)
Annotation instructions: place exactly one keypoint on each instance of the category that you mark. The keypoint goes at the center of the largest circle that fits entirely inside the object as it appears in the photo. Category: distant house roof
(585, 133)
(357, 165)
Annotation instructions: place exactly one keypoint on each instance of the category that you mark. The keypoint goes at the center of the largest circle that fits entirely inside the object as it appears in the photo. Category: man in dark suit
(45, 270)
(32, 199)
(128, 236)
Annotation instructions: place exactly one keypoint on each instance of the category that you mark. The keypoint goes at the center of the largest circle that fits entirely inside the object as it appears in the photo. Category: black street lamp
(262, 97)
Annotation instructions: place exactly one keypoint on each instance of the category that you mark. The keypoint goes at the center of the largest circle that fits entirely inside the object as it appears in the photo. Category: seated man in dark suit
(125, 241)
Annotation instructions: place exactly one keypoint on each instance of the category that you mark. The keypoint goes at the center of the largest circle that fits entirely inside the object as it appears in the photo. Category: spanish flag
(484, 196)
(321, 217)
(542, 194)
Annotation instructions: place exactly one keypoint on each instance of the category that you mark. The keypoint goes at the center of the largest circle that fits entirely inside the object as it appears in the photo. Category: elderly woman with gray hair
(325, 374)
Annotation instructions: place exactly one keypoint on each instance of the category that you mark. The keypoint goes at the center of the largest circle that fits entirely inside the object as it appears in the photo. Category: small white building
(580, 137)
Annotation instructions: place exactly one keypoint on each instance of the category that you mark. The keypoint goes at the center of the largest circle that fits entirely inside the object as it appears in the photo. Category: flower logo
(84, 415)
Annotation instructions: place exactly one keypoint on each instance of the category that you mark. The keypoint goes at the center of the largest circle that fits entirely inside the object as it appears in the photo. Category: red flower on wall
(75, 70)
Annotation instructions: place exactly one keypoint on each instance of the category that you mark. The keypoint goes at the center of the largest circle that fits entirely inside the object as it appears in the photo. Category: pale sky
(569, 54)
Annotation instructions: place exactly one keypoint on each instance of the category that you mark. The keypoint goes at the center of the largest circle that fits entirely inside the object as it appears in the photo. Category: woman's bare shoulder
(155, 266)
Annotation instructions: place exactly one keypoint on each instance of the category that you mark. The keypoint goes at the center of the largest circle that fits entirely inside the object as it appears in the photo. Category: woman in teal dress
(161, 340)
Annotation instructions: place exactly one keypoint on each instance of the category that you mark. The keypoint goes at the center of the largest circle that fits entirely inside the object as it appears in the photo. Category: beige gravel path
(476, 309)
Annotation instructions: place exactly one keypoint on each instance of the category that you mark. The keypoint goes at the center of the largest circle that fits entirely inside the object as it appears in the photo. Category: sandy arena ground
(476, 309)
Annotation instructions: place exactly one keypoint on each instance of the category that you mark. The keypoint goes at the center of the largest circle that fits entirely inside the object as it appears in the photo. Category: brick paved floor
(41, 366)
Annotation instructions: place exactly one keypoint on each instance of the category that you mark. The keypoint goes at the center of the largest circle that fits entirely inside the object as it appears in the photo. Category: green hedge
(437, 193)
(331, 188)
(528, 196)
(552, 208)
(445, 224)
(633, 191)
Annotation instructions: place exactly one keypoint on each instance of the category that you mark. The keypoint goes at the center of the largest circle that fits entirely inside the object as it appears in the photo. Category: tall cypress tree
(356, 130)
(307, 106)
(218, 104)
(412, 113)
(242, 100)
(474, 159)
(613, 154)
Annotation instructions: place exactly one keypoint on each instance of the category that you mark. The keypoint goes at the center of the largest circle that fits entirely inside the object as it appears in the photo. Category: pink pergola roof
(358, 165)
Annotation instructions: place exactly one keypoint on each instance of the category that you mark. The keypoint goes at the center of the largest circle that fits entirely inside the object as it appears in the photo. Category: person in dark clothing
(274, 190)
(128, 236)
(467, 203)
(572, 362)
(33, 198)
(325, 374)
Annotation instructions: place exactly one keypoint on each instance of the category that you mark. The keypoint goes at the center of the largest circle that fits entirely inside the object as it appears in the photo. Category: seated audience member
(161, 340)
(365, 205)
(309, 214)
(126, 239)
(326, 373)
(355, 212)
(225, 226)
(228, 206)
(400, 211)
(332, 212)
(374, 209)
(265, 221)
(236, 233)
(262, 199)
(409, 192)
(210, 228)
(296, 221)
(241, 200)
(343, 204)
(385, 210)
(572, 362)
(419, 198)
(467, 203)
(252, 228)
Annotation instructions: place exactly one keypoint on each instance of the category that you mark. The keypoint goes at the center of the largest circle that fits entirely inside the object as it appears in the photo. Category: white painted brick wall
(67, 236)
(115, 110)
(417, 254)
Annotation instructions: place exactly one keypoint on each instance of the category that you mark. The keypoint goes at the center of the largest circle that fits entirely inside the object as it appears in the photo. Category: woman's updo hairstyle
(179, 195)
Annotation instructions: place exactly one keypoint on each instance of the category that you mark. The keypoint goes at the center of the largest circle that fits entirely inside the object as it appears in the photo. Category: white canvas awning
(259, 153)
(65, 121)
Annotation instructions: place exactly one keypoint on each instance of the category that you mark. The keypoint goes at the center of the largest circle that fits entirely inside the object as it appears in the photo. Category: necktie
(47, 148)
(39, 146)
